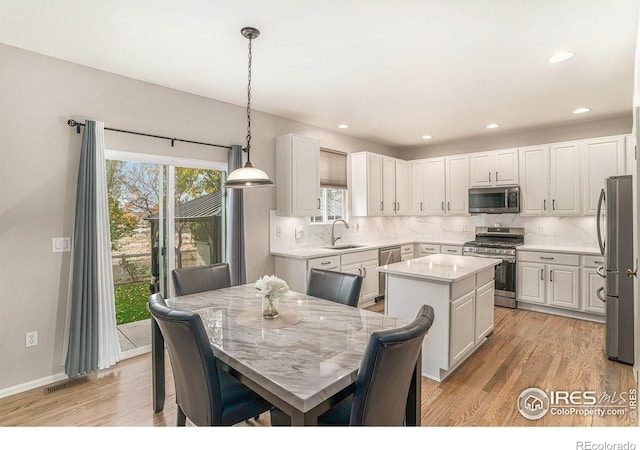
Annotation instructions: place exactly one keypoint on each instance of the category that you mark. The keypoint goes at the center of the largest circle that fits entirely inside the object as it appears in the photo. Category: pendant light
(248, 176)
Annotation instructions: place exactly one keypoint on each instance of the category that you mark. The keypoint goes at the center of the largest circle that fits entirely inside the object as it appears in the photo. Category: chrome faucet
(333, 238)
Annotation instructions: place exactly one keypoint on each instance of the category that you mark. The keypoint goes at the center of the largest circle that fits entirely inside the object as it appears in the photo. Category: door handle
(598, 294)
(600, 271)
(632, 273)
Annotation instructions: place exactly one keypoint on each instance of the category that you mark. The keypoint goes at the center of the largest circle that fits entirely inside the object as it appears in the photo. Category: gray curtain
(82, 353)
(235, 230)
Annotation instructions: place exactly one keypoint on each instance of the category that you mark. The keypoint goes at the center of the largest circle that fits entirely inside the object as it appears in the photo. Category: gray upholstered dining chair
(335, 286)
(204, 394)
(191, 280)
(384, 379)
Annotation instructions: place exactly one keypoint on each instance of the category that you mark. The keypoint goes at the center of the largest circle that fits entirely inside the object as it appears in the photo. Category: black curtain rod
(73, 123)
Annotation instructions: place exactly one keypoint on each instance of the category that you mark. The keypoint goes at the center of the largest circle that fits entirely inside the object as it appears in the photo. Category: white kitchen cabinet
(380, 185)
(295, 271)
(590, 283)
(363, 264)
(406, 252)
(550, 279)
(462, 331)
(600, 158)
(424, 249)
(297, 176)
(417, 187)
(435, 187)
(484, 311)
(495, 168)
(451, 249)
(457, 184)
(550, 179)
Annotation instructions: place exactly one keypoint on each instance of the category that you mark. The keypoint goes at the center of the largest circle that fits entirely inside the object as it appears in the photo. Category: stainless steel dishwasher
(386, 255)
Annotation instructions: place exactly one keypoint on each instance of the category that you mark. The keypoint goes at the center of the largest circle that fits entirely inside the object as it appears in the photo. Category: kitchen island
(461, 291)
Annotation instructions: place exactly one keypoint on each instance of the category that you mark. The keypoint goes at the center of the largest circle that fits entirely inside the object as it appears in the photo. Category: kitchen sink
(343, 247)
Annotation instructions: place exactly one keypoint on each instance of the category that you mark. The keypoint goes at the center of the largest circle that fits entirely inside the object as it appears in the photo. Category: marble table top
(443, 268)
(303, 364)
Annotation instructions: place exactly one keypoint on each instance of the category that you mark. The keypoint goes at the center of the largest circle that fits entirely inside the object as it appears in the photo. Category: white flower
(272, 286)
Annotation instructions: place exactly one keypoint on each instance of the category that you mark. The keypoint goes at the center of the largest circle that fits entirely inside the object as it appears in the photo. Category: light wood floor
(527, 349)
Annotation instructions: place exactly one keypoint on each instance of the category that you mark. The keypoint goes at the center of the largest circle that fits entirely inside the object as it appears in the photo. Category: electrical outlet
(463, 227)
(31, 339)
(278, 232)
(540, 229)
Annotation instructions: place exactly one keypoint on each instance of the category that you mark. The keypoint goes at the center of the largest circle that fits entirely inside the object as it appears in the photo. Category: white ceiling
(393, 70)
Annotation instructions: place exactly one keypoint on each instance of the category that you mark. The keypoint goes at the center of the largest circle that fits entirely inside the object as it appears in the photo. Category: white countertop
(319, 252)
(559, 249)
(447, 268)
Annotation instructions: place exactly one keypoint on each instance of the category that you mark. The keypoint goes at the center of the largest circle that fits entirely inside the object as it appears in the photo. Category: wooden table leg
(157, 367)
(414, 399)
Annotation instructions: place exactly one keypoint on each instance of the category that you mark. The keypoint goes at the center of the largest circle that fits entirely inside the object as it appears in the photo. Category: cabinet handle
(553, 204)
(547, 258)
(420, 206)
(443, 206)
(551, 276)
(496, 176)
(318, 203)
(544, 204)
(448, 206)
(325, 263)
(451, 251)
(381, 206)
(398, 206)
(364, 269)
(598, 262)
(542, 274)
(489, 177)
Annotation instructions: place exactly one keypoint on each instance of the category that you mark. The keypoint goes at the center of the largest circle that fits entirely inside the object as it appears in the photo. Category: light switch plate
(60, 244)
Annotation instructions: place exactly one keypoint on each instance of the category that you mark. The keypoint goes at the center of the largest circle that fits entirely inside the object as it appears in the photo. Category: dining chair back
(204, 394)
(191, 280)
(337, 287)
(384, 379)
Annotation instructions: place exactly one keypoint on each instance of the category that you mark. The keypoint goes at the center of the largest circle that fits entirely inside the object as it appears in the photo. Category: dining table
(303, 362)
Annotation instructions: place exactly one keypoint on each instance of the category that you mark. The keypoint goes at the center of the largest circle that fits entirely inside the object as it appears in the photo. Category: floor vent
(65, 384)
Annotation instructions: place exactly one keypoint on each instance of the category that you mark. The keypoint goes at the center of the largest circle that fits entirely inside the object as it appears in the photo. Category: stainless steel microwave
(494, 200)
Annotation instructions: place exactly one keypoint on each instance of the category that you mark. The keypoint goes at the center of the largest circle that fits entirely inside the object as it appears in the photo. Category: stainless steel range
(501, 243)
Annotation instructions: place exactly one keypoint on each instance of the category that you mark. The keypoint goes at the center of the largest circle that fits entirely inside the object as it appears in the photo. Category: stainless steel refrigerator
(615, 237)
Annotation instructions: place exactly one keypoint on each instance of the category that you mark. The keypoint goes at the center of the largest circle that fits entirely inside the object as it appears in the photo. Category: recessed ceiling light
(560, 56)
(581, 110)
(426, 136)
(343, 125)
(493, 125)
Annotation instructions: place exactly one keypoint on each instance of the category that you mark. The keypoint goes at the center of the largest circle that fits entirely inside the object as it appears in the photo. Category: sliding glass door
(165, 213)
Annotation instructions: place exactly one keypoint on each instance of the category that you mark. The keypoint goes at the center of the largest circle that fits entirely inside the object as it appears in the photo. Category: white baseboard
(41, 382)
(24, 387)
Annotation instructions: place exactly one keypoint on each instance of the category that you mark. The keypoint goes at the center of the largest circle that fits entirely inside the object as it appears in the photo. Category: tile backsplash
(287, 233)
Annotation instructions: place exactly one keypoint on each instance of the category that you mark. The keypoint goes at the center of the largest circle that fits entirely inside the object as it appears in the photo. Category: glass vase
(270, 306)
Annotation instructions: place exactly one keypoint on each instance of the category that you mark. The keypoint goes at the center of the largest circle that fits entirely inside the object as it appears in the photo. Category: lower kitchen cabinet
(423, 249)
(559, 283)
(363, 264)
(462, 333)
(484, 311)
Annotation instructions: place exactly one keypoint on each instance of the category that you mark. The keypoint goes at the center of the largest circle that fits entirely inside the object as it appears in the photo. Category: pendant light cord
(249, 108)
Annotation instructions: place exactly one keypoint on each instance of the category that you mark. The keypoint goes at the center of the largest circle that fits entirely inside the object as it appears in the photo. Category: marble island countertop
(444, 268)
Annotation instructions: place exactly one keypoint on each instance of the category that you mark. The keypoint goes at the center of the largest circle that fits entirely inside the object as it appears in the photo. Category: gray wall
(497, 140)
(39, 157)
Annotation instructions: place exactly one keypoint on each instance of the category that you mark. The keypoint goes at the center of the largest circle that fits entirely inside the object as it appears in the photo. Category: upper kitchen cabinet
(496, 168)
(601, 158)
(380, 185)
(428, 194)
(550, 179)
(297, 176)
(457, 184)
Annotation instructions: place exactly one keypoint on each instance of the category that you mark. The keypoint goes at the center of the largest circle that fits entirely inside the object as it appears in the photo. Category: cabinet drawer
(358, 257)
(328, 263)
(406, 249)
(592, 261)
(549, 258)
(451, 250)
(428, 249)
